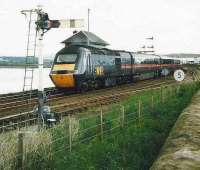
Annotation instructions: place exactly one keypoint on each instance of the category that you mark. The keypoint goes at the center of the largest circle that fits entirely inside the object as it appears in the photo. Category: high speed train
(85, 67)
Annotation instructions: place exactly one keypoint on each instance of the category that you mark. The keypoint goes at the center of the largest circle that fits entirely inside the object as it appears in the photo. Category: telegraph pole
(88, 41)
(88, 19)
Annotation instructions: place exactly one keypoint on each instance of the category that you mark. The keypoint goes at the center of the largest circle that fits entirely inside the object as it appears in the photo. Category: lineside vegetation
(128, 135)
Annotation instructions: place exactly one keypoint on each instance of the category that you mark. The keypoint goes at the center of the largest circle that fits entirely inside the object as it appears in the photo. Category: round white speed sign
(179, 75)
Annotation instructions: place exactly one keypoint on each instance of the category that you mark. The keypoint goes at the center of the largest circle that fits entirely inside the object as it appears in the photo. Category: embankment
(182, 148)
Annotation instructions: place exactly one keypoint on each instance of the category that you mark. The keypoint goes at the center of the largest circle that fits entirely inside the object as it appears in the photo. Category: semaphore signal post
(44, 24)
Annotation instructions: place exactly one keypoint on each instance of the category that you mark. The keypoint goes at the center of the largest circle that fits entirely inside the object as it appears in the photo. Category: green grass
(135, 145)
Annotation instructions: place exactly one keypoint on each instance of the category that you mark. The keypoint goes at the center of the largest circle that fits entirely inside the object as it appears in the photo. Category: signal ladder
(30, 61)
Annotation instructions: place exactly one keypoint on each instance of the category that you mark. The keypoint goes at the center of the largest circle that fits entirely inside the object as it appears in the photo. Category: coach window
(118, 63)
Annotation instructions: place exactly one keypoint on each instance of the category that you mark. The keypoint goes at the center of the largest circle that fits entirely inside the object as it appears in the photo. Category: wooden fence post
(161, 94)
(70, 133)
(20, 151)
(177, 89)
(3, 126)
(122, 116)
(152, 101)
(66, 126)
(101, 119)
(173, 92)
(139, 109)
(169, 91)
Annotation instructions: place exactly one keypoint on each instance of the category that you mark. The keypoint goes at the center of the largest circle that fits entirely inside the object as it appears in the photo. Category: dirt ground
(181, 150)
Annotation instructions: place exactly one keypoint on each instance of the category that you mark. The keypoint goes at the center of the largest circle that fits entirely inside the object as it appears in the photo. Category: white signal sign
(179, 75)
(71, 23)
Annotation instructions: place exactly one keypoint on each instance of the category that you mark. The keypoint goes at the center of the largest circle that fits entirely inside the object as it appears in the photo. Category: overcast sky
(175, 24)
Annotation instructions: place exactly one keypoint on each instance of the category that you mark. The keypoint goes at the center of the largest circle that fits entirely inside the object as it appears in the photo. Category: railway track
(18, 104)
(22, 96)
(63, 105)
(12, 103)
(103, 99)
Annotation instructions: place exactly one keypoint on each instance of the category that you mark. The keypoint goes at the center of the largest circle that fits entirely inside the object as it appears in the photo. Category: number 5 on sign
(179, 75)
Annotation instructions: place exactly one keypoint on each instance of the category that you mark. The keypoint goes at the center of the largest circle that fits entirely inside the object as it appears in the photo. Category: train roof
(83, 37)
(103, 50)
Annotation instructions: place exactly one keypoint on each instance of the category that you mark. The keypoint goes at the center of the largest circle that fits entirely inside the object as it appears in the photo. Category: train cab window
(66, 58)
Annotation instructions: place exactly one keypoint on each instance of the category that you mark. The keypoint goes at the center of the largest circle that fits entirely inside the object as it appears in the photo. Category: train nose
(63, 80)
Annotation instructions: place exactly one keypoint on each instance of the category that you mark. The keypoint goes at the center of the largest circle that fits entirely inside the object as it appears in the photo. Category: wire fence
(27, 147)
(30, 120)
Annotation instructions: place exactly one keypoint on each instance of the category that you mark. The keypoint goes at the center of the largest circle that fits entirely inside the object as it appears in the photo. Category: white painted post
(40, 83)
(40, 61)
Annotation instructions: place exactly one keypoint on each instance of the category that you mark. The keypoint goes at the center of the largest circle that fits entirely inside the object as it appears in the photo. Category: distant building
(186, 58)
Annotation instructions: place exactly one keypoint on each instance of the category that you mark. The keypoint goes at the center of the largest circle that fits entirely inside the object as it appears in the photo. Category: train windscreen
(66, 58)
